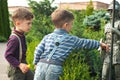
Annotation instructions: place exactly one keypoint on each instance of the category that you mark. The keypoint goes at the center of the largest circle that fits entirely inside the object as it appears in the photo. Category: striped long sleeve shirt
(64, 49)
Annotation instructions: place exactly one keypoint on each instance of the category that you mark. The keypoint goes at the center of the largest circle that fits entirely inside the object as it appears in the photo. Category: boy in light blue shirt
(56, 46)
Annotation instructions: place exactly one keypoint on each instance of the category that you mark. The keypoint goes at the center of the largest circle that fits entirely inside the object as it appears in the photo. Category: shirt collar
(60, 31)
(18, 33)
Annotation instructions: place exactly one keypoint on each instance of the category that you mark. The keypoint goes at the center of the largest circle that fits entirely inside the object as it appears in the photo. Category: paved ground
(3, 63)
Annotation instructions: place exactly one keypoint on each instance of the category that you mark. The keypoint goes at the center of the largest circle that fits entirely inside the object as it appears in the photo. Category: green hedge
(30, 52)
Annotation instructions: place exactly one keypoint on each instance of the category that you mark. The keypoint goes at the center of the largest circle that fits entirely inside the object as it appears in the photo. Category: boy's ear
(17, 23)
(65, 24)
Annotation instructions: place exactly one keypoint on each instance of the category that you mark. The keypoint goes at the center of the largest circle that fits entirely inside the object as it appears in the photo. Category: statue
(116, 43)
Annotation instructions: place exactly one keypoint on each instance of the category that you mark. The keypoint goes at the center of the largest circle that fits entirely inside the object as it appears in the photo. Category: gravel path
(3, 62)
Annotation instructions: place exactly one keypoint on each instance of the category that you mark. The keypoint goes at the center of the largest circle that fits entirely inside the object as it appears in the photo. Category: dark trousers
(16, 74)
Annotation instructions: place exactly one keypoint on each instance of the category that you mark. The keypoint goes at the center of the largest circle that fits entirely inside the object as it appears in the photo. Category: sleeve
(38, 51)
(116, 31)
(10, 52)
(86, 43)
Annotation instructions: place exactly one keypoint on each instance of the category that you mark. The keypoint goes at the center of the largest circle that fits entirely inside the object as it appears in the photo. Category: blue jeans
(45, 71)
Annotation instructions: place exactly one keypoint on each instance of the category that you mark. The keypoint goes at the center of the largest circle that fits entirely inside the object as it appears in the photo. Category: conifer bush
(4, 21)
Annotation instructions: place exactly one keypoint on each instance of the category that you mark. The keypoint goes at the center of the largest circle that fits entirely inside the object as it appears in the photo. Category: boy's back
(55, 47)
(64, 48)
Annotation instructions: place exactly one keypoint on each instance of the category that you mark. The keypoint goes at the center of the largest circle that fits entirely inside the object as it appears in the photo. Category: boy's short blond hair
(21, 14)
(60, 16)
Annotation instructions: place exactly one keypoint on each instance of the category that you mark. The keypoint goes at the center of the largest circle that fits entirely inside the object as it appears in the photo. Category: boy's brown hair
(60, 16)
(21, 14)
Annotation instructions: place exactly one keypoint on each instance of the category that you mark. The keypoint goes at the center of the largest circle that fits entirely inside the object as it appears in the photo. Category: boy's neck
(61, 29)
(19, 30)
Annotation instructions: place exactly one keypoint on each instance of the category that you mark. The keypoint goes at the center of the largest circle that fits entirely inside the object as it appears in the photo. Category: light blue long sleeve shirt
(64, 49)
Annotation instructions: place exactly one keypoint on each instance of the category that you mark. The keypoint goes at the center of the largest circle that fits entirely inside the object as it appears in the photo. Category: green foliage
(78, 27)
(93, 55)
(75, 68)
(94, 21)
(30, 53)
(88, 67)
(42, 24)
(2, 39)
(4, 20)
(90, 8)
(42, 8)
(88, 33)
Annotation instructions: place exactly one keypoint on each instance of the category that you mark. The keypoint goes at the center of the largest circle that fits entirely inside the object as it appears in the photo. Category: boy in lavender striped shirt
(56, 46)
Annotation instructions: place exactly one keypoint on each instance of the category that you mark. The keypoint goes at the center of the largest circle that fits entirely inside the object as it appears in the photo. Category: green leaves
(94, 20)
(90, 8)
(42, 24)
(30, 52)
(75, 68)
(5, 30)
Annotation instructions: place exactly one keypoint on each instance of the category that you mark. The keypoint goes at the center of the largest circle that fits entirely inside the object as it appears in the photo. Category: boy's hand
(23, 67)
(104, 46)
